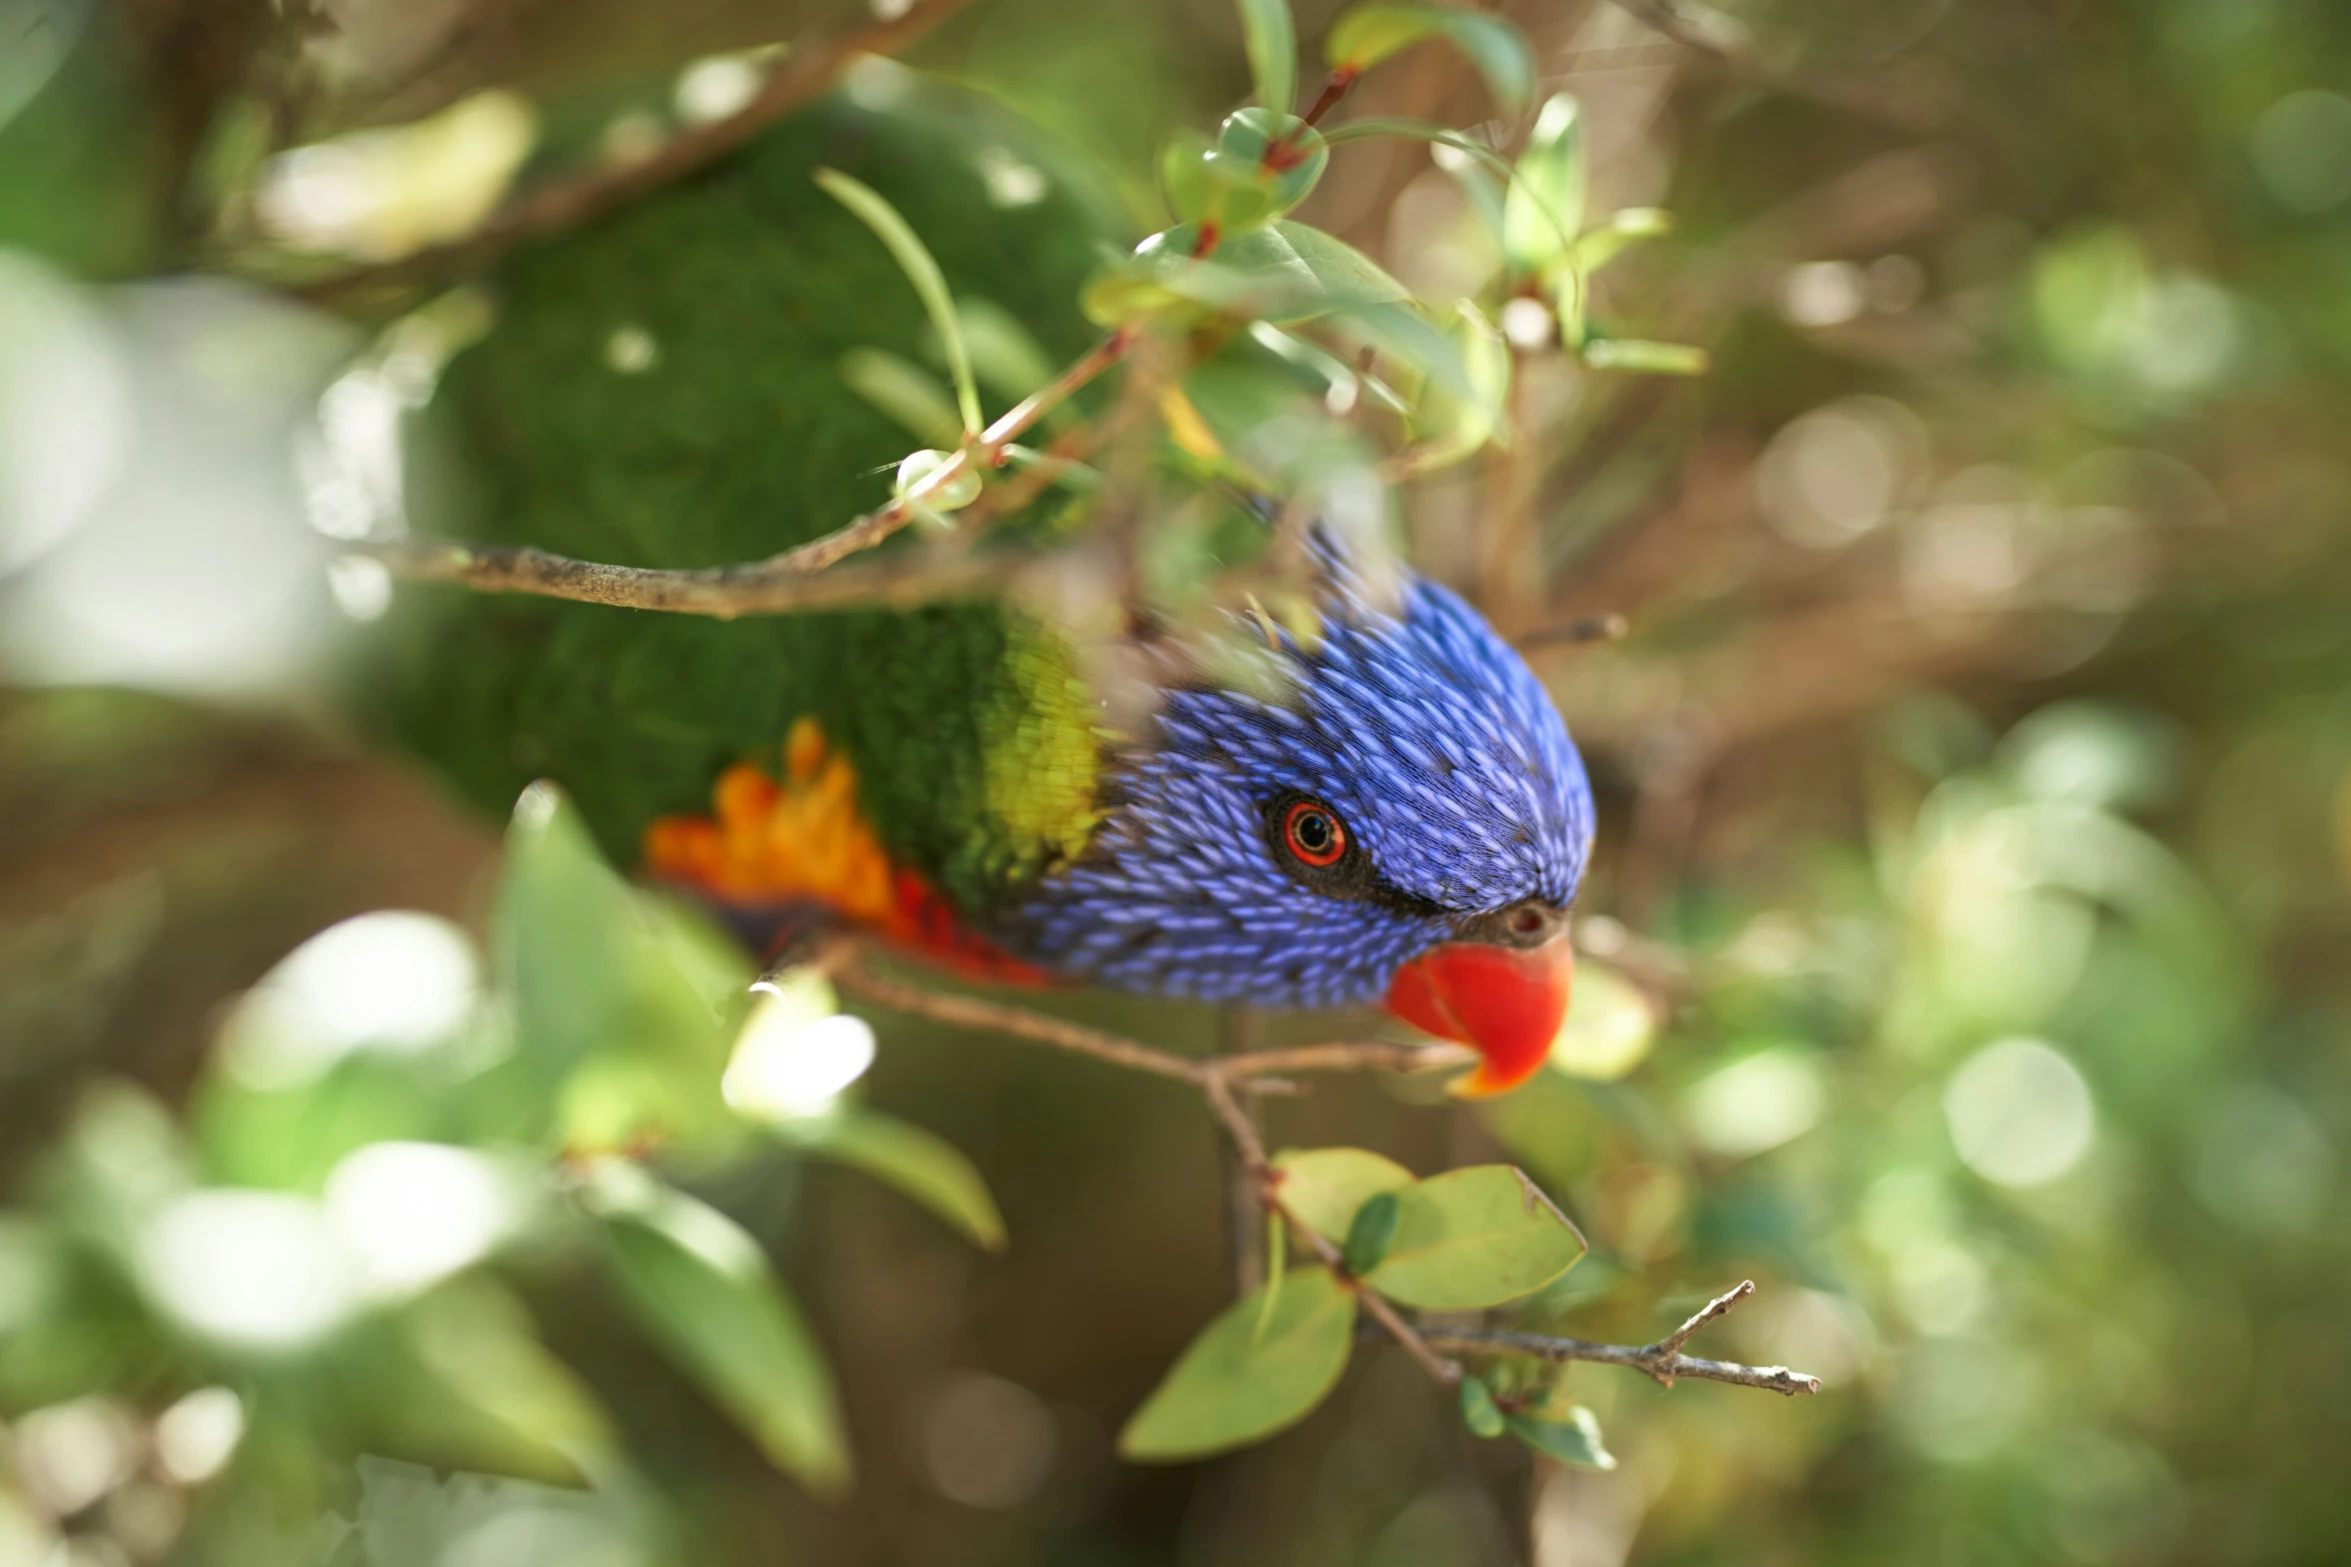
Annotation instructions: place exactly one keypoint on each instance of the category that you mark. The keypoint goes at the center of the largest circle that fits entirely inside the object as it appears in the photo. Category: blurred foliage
(1972, 903)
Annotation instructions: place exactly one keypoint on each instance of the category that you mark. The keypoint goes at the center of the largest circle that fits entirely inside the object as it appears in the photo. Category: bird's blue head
(1403, 817)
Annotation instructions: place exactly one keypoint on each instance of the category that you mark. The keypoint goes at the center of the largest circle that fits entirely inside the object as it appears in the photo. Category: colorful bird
(1391, 811)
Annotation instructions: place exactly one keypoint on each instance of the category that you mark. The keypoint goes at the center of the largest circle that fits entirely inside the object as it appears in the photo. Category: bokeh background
(1976, 787)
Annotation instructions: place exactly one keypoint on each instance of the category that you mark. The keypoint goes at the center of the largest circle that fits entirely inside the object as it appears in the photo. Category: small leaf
(952, 493)
(1272, 41)
(924, 1167)
(1235, 1385)
(1207, 186)
(1645, 358)
(1368, 34)
(1546, 201)
(563, 932)
(1407, 336)
(1279, 272)
(1479, 1412)
(905, 392)
(1322, 1188)
(1473, 1238)
(915, 260)
(1368, 1236)
(701, 1286)
(1286, 155)
(1574, 1440)
(1345, 275)
(1622, 231)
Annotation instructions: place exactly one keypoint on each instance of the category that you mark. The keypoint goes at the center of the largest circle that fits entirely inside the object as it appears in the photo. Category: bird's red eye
(1313, 834)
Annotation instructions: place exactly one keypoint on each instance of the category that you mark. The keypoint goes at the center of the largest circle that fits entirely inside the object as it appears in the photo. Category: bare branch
(787, 581)
(806, 74)
(1020, 1023)
(1663, 1360)
(1219, 1078)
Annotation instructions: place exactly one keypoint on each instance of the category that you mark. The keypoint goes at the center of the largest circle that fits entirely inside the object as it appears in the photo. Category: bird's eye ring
(1313, 834)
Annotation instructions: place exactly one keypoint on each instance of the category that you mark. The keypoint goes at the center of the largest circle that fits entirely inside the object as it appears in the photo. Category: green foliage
(1573, 1439)
(1272, 42)
(1323, 1188)
(927, 1169)
(1365, 35)
(922, 270)
(1479, 1412)
(704, 1289)
(1474, 1237)
(1244, 1379)
(1369, 1234)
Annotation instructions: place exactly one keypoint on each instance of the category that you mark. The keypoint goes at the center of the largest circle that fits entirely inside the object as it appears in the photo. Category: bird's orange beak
(1506, 1003)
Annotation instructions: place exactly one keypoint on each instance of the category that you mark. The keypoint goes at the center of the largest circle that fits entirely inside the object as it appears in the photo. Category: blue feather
(1421, 729)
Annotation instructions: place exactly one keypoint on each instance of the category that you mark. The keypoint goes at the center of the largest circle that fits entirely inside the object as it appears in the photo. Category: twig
(782, 582)
(804, 76)
(1219, 1078)
(972, 1012)
(1662, 1360)
(1244, 1213)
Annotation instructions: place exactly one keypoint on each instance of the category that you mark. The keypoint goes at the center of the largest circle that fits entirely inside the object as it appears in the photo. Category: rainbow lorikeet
(1400, 817)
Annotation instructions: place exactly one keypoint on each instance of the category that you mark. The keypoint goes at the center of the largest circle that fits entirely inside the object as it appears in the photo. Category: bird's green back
(732, 438)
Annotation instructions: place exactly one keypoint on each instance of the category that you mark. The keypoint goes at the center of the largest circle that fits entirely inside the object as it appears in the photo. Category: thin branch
(1663, 1360)
(782, 582)
(972, 1012)
(1219, 1078)
(805, 75)
(1244, 1214)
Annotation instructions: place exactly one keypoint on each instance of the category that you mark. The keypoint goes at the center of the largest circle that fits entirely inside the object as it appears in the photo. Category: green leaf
(701, 1286)
(915, 260)
(1479, 1412)
(1455, 427)
(924, 1167)
(1610, 1025)
(1283, 153)
(1473, 1238)
(1368, 34)
(1546, 202)
(1208, 187)
(1645, 358)
(1280, 272)
(1407, 336)
(563, 932)
(1322, 1188)
(905, 392)
(1574, 1440)
(1272, 42)
(1480, 191)
(1374, 1226)
(1236, 1385)
(1621, 232)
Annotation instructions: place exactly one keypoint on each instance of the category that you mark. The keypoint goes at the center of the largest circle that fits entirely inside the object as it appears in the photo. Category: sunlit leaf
(1573, 1440)
(1644, 358)
(1237, 1384)
(1622, 230)
(1472, 1238)
(1546, 201)
(922, 270)
(1272, 42)
(563, 932)
(705, 1291)
(1407, 336)
(1279, 272)
(1283, 153)
(1368, 34)
(905, 392)
(1207, 186)
(1322, 1188)
(1479, 1412)
(924, 1167)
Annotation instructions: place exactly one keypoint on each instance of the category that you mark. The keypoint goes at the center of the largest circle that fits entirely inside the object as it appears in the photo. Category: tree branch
(787, 581)
(1663, 1360)
(1217, 1078)
(805, 75)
